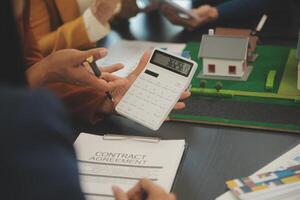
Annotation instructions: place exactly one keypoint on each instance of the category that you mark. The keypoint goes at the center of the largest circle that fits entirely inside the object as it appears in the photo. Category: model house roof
(224, 47)
(298, 49)
(232, 31)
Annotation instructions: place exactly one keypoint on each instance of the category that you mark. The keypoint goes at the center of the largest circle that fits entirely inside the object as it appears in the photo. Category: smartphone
(182, 12)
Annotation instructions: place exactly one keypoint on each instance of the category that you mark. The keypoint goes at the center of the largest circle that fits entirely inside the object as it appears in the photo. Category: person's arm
(80, 33)
(84, 103)
(70, 35)
(37, 156)
(228, 10)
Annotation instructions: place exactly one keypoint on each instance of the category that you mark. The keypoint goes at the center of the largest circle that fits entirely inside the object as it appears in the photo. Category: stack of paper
(287, 160)
(277, 185)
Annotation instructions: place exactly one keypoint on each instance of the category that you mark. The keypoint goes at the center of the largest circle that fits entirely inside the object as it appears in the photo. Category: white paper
(282, 192)
(104, 163)
(129, 53)
(288, 159)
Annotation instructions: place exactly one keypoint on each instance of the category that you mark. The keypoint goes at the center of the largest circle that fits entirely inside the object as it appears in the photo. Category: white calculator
(157, 89)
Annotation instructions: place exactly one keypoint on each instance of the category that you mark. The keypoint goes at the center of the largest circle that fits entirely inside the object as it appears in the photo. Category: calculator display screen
(171, 63)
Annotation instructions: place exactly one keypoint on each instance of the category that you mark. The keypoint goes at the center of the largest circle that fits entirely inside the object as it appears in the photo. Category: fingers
(88, 67)
(172, 196)
(145, 58)
(118, 7)
(150, 187)
(119, 194)
(170, 14)
(94, 82)
(107, 81)
(142, 64)
(136, 193)
(185, 95)
(113, 81)
(153, 6)
(112, 68)
(173, 17)
(96, 53)
(179, 106)
(129, 9)
(154, 191)
(120, 83)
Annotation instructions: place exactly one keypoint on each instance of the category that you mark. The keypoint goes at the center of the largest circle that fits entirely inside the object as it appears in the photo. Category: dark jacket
(36, 153)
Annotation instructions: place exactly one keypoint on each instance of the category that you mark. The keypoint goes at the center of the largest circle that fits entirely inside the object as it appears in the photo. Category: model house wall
(224, 55)
(299, 76)
(222, 67)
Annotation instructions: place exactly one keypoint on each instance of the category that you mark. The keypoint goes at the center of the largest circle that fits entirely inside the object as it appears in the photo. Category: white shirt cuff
(94, 28)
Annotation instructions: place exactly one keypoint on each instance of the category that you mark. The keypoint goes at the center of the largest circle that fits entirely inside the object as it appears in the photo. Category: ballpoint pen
(92, 63)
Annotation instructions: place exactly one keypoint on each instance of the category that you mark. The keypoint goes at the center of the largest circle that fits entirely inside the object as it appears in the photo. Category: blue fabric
(36, 153)
(243, 8)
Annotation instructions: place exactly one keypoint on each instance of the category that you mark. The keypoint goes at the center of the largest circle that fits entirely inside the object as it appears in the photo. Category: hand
(154, 6)
(104, 10)
(205, 15)
(68, 66)
(119, 92)
(129, 9)
(144, 188)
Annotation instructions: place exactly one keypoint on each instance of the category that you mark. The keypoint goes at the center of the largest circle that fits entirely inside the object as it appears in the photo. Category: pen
(92, 63)
(260, 25)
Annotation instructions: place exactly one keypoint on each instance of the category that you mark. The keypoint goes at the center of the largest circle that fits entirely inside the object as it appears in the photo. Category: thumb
(97, 53)
(142, 64)
(119, 193)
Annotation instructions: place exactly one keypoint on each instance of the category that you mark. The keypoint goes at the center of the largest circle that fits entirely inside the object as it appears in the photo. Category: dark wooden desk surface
(215, 154)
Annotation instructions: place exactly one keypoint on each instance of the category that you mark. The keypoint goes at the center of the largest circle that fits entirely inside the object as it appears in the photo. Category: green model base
(237, 123)
(273, 80)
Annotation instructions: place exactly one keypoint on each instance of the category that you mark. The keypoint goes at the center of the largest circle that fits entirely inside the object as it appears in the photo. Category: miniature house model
(298, 56)
(236, 32)
(224, 56)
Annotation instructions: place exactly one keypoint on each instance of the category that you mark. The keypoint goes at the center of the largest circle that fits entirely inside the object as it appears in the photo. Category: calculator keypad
(148, 99)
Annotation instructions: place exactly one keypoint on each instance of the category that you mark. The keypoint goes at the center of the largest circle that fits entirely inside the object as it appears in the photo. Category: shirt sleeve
(94, 28)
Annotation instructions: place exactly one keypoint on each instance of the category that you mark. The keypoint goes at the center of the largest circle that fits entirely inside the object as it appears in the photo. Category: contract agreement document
(122, 161)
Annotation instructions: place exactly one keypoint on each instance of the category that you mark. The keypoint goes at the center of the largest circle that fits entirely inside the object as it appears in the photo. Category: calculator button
(148, 99)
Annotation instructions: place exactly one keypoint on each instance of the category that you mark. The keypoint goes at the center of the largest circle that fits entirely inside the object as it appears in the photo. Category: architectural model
(224, 56)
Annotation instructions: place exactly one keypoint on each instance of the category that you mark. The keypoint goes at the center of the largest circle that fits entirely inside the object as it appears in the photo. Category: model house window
(211, 68)
(232, 69)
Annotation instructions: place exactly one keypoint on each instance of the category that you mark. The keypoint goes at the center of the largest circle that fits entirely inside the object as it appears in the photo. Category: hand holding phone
(181, 11)
(197, 17)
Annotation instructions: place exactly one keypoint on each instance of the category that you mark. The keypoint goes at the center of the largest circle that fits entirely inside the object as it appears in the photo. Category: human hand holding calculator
(157, 89)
